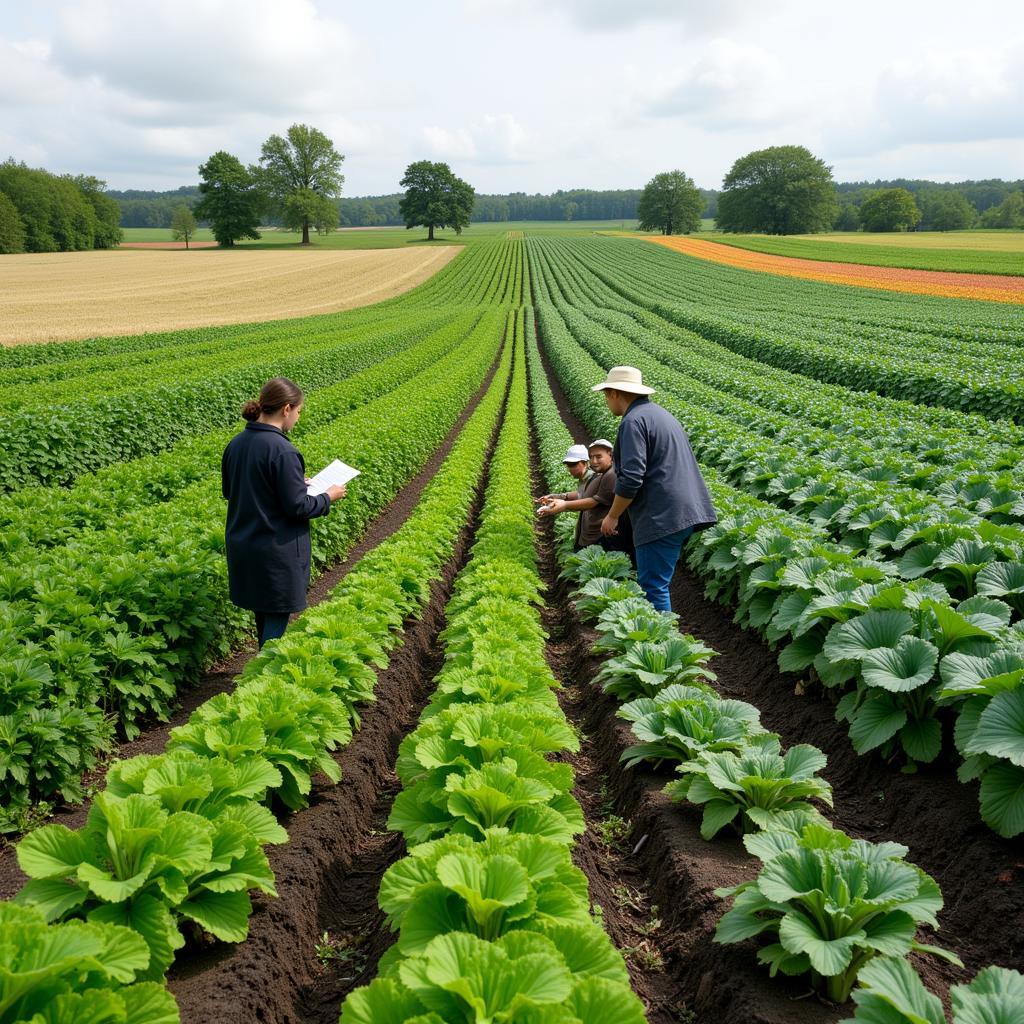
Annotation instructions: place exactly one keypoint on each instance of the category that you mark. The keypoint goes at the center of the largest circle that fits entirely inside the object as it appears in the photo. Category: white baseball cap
(577, 453)
(601, 443)
(625, 378)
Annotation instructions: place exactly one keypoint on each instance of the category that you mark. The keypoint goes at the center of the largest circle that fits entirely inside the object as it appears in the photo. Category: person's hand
(336, 492)
(609, 526)
(545, 499)
(308, 480)
(553, 507)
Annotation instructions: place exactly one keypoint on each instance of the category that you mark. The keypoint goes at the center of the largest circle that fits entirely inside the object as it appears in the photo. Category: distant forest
(141, 209)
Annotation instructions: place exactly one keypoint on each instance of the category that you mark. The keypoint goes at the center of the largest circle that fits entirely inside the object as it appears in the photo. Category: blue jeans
(270, 625)
(656, 564)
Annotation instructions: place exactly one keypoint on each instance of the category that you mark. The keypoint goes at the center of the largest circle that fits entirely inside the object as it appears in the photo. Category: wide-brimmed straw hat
(625, 378)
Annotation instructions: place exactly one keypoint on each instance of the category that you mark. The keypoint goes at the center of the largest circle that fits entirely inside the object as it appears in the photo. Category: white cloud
(494, 138)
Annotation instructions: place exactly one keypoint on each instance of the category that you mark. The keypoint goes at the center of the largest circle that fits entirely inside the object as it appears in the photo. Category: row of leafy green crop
(824, 404)
(899, 652)
(976, 380)
(40, 517)
(918, 535)
(102, 632)
(175, 841)
(493, 918)
(838, 909)
(966, 261)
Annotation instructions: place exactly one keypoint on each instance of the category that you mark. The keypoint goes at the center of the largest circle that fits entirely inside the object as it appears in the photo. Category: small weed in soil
(613, 830)
(684, 1015)
(644, 955)
(651, 925)
(343, 950)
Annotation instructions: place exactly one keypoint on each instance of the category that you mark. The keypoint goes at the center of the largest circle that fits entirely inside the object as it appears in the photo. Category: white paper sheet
(336, 473)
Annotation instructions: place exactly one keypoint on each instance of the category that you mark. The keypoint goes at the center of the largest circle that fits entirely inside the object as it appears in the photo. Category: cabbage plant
(593, 562)
(680, 722)
(748, 788)
(597, 593)
(645, 668)
(890, 992)
(830, 904)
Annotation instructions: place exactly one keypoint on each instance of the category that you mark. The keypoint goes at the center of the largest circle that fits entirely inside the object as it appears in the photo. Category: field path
(67, 295)
(988, 287)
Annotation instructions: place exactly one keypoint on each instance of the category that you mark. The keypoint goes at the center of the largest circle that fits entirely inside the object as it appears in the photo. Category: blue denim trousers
(656, 564)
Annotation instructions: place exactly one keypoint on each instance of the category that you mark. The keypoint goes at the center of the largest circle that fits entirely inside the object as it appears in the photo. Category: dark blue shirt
(655, 466)
(267, 530)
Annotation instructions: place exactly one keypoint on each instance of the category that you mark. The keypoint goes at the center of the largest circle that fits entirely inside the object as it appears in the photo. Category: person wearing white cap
(592, 498)
(657, 479)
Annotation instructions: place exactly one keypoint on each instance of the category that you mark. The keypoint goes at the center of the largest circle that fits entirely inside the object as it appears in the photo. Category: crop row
(838, 909)
(175, 841)
(756, 322)
(103, 630)
(493, 918)
(897, 650)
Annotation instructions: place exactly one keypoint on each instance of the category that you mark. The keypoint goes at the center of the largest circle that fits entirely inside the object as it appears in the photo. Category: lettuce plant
(633, 621)
(645, 668)
(748, 788)
(681, 722)
(76, 972)
(136, 864)
(505, 881)
(890, 992)
(569, 973)
(593, 562)
(600, 591)
(831, 903)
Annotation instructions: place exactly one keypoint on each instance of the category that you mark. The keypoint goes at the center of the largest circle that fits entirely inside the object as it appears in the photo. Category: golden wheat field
(67, 295)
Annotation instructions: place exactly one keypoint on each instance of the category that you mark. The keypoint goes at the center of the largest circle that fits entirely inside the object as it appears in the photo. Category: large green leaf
(873, 631)
(1000, 728)
(890, 992)
(908, 665)
(225, 915)
(1002, 799)
(996, 996)
(53, 851)
(875, 722)
(829, 957)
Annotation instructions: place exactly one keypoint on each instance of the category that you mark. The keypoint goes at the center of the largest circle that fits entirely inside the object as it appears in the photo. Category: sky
(516, 95)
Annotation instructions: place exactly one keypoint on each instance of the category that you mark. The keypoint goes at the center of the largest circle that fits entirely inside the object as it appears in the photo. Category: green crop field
(470, 715)
(976, 252)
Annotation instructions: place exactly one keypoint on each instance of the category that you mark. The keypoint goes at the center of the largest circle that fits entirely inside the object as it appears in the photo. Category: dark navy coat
(655, 466)
(267, 534)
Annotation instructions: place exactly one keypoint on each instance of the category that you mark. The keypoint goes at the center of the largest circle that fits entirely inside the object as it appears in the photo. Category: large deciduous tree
(301, 175)
(782, 190)
(107, 232)
(1008, 214)
(670, 202)
(889, 209)
(228, 199)
(435, 198)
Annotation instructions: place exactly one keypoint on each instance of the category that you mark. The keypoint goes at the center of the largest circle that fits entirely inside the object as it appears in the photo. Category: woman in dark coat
(267, 534)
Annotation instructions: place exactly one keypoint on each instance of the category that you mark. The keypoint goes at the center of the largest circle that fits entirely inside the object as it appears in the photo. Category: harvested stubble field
(64, 296)
(987, 287)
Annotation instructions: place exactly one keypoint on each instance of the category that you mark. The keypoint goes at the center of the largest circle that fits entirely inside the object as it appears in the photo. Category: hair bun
(251, 411)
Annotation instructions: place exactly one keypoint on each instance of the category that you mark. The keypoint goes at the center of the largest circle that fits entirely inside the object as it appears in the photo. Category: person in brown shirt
(592, 498)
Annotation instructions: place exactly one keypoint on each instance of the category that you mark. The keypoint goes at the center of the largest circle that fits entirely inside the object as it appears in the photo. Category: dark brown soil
(982, 876)
(221, 677)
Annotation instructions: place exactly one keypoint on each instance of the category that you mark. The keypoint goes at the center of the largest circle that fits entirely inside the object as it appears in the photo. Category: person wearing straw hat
(657, 479)
(592, 499)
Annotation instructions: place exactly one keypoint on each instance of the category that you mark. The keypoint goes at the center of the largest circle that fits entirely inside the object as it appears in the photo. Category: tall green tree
(889, 209)
(782, 190)
(228, 199)
(183, 224)
(1008, 214)
(946, 210)
(107, 232)
(301, 176)
(670, 202)
(435, 198)
(12, 231)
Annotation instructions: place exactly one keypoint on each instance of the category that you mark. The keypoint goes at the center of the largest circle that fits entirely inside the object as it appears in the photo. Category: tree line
(784, 190)
(43, 212)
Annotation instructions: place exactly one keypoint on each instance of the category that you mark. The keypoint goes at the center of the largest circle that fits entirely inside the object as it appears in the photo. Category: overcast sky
(517, 95)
